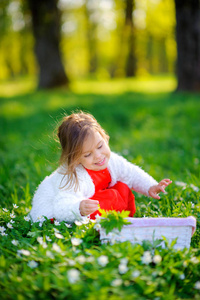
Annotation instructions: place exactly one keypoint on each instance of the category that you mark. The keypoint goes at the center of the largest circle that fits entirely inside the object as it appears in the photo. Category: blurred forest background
(58, 41)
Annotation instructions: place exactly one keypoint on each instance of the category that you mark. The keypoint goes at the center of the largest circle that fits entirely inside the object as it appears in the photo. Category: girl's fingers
(166, 181)
(155, 196)
(88, 206)
(91, 206)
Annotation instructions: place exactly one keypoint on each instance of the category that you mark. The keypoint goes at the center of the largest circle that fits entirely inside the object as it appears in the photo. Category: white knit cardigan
(53, 201)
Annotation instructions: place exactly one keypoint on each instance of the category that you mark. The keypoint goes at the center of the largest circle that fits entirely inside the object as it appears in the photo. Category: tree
(91, 29)
(46, 29)
(188, 44)
(129, 27)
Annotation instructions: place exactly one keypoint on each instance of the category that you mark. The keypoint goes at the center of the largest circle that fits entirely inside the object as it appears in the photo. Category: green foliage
(113, 219)
(97, 33)
(60, 260)
(151, 127)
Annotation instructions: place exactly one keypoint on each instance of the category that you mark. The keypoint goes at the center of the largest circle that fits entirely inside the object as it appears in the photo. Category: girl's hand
(160, 187)
(88, 206)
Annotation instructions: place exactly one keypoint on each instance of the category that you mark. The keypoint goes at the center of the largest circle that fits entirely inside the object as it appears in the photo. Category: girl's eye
(87, 155)
(100, 147)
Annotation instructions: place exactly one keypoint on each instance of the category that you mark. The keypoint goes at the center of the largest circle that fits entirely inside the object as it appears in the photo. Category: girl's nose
(97, 154)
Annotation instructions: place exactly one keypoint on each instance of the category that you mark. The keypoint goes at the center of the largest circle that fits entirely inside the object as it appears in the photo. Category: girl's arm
(66, 206)
(160, 187)
(130, 174)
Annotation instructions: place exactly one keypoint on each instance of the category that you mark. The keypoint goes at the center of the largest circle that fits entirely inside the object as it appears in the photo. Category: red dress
(119, 197)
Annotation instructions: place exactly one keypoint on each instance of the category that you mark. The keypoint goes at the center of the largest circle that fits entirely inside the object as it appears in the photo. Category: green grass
(151, 126)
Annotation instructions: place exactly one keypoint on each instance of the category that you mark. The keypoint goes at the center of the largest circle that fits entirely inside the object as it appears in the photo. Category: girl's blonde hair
(72, 133)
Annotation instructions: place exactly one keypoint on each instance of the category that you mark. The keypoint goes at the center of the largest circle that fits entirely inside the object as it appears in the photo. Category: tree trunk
(46, 30)
(188, 44)
(129, 27)
(91, 28)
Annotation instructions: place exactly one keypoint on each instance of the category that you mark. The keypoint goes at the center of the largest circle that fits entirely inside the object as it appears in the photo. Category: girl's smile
(96, 152)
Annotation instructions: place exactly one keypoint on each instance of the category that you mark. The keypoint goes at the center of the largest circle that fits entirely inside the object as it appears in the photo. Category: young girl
(89, 176)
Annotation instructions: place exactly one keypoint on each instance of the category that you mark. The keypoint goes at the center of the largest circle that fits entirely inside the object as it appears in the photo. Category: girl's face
(95, 153)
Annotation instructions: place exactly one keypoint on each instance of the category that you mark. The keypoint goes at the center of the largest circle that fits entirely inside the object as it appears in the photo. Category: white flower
(44, 245)
(97, 226)
(73, 275)
(92, 221)
(124, 261)
(98, 218)
(122, 268)
(59, 236)
(15, 206)
(14, 242)
(102, 260)
(194, 260)
(48, 238)
(68, 225)
(27, 218)
(90, 259)
(24, 252)
(2, 229)
(195, 188)
(85, 221)
(12, 216)
(81, 259)
(197, 285)
(56, 223)
(50, 254)
(78, 223)
(5, 210)
(3, 234)
(117, 282)
(135, 274)
(76, 241)
(12, 222)
(182, 276)
(40, 240)
(56, 248)
(9, 225)
(41, 219)
(180, 183)
(146, 258)
(192, 204)
(56, 230)
(32, 264)
(71, 262)
(157, 259)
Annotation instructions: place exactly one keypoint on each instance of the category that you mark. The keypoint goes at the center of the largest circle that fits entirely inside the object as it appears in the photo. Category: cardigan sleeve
(66, 206)
(54, 201)
(130, 174)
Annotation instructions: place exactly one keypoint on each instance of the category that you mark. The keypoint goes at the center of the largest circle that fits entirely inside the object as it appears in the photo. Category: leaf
(2, 261)
(113, 220)
(33, 234)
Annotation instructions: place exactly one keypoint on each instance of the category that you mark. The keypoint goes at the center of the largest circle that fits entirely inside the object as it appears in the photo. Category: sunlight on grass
(150, 84)
(24, 101)
(117, 86)
(15, 109)
(15, 87)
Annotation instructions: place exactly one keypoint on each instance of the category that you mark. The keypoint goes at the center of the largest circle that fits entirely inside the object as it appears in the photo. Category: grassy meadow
(150, 125)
